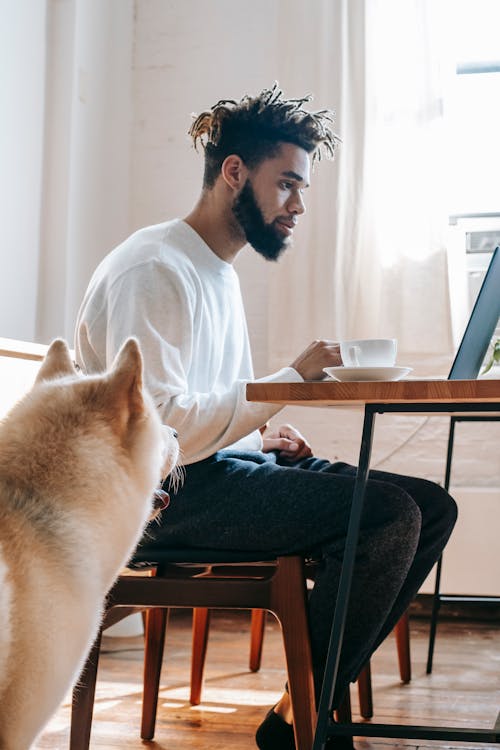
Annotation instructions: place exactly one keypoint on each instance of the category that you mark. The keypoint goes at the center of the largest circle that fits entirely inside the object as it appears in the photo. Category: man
(174, 287)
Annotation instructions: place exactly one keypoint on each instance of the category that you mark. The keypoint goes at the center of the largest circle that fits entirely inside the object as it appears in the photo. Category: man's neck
(217, 226)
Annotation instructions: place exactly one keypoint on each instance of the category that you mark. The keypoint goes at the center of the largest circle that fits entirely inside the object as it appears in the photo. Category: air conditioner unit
(476, 235)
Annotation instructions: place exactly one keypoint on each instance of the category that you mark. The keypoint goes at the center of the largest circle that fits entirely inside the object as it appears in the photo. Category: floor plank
(464, 688)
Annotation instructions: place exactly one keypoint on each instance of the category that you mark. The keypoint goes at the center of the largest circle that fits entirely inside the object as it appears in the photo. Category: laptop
(481, 326)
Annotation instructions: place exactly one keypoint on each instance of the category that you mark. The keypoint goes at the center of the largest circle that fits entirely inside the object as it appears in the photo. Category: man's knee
(437, 505)
(394, 514)
(446, 506)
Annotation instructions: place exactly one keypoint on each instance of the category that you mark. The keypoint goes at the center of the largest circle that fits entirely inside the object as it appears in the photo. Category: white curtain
(371, 259)
(87, 151)
(65, 143)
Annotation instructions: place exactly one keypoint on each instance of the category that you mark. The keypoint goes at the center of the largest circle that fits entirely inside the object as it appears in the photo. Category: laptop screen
(481, 325)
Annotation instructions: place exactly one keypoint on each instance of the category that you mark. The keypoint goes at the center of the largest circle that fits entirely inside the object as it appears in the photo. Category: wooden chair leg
(292, 614)
(156, 623)
(402, 631)
(201, 625)
(83, 701)
(365, 692)
(257, 638)
(343, 713)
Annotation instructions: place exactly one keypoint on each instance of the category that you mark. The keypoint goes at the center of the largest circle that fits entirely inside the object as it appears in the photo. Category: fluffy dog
(80, 458)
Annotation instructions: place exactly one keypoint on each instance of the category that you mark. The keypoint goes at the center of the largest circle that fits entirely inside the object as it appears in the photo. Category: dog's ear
(125, 377)
(57, 362)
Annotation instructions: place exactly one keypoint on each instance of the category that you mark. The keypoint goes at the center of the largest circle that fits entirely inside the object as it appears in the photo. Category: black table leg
(339, 618)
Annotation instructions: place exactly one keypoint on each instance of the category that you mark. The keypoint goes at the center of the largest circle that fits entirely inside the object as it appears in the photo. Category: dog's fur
(80, 458)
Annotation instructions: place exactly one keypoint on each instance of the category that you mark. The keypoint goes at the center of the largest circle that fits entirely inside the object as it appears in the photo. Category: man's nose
(296, 204)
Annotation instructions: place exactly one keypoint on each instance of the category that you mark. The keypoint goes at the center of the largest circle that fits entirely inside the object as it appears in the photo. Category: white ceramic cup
(368, 352)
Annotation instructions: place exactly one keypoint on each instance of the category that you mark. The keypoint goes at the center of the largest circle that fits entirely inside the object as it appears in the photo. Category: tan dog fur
(80, 458)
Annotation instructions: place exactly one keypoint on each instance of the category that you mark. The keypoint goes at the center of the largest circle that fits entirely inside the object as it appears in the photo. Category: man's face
(270, 202)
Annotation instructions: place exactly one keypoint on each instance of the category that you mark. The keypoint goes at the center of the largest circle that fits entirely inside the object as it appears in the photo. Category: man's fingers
(304, 452)
(319, 354)
(281, 444)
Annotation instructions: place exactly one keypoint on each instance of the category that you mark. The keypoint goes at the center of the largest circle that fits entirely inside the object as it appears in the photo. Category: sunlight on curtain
(403, 212)
(376, 232)
(321, 54)
(404, 130)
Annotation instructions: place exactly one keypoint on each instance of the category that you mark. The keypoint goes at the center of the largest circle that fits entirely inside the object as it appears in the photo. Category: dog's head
(74, 429)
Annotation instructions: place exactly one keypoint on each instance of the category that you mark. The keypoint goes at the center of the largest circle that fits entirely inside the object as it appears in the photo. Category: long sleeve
(192, 332)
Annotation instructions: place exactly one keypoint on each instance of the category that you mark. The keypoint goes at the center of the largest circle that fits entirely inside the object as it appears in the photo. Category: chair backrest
(19, 364)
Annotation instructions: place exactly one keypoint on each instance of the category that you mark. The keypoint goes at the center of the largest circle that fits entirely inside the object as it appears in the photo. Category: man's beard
(264, 238)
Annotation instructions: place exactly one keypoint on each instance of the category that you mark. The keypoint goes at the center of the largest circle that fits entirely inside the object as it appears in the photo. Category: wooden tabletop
(331, 392)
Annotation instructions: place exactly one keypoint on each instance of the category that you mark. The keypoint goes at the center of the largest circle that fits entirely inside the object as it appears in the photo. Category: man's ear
(234, 172)
(57, 362)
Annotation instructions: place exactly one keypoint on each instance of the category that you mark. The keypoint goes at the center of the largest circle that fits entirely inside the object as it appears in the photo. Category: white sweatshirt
(165, 286)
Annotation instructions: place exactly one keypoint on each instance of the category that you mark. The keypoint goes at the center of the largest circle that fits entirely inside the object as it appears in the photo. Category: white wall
(22, 91)
(471, 560)
(187, 57)
(65, 98)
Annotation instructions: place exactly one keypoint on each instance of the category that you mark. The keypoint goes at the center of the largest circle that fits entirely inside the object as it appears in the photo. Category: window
(472, 107)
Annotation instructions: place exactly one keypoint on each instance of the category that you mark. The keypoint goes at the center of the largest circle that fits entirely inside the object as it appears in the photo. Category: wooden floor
(464, 688)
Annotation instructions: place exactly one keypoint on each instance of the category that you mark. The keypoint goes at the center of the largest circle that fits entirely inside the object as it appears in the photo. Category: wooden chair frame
(278, 586)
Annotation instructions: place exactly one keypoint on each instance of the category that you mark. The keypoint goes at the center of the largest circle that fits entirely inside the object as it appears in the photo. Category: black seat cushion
(150, 554)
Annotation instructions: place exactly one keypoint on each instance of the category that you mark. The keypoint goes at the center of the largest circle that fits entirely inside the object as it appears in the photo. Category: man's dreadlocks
(254, 128)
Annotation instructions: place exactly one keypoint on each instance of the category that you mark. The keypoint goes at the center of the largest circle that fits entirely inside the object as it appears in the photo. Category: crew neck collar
(204, 251)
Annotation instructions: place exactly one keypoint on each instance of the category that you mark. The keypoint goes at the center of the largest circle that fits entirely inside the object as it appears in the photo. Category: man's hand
(288, 442)
(319, 354)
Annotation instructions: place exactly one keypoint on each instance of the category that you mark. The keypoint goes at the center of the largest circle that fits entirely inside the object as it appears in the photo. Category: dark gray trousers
(251, 501)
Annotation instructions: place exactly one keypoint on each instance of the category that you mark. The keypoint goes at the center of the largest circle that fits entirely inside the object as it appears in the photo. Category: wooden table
(472, 397)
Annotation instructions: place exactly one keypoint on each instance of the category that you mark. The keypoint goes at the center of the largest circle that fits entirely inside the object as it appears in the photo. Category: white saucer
(367, 373)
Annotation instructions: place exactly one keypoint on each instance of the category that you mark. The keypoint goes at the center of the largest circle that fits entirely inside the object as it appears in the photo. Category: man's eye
(286, 185)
